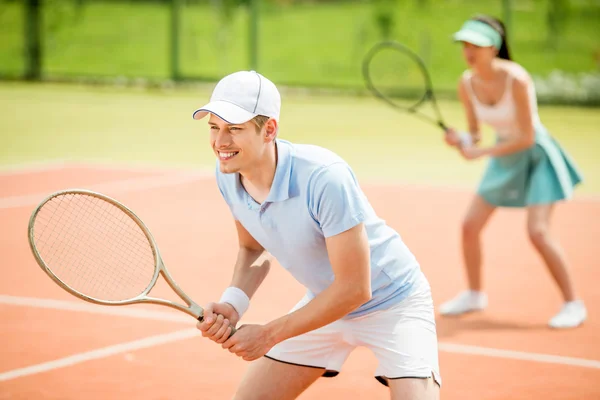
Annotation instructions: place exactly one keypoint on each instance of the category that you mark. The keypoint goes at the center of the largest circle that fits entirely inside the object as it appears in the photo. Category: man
(303, 205)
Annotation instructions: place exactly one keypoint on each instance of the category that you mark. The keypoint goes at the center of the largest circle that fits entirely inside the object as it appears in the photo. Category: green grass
(306, 44)
(50, 122)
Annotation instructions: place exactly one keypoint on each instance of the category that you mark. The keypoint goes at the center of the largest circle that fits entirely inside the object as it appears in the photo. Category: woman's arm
(454, 138)
(525, 137)
(472, 121)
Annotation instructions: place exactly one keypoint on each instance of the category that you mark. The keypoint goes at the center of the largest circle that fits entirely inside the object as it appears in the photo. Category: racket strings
(94, 247)
(73, 242)
(397, 76)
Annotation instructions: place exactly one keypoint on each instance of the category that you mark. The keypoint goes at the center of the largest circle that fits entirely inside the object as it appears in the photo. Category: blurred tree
(424, 36)
(556, 20)
(384, 12)
(33, 40)
(42, 19)
(58, 13)
(226, 10)
(507, 14)
(175, 30)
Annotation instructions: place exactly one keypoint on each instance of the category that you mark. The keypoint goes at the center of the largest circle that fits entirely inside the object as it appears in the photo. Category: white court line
(456, 188)
(518, 355)
(180, 178)
(100, 165)
(146, 167)
(163, 316)
(139, 167)
(33, 167)
(120, 186)
(158, 168)
(103, 352)
(81, 306)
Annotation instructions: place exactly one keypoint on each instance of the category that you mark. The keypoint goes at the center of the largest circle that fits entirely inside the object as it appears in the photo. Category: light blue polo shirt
(316, 195)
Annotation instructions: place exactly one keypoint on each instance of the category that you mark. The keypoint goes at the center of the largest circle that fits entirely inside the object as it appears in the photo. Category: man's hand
(250, 342)
(219, 318)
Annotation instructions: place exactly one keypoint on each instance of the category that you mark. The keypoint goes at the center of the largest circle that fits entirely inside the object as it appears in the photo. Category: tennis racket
(97, 249)
(394, 73)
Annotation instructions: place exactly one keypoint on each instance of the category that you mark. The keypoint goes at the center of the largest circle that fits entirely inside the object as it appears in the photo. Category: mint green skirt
(542, 174)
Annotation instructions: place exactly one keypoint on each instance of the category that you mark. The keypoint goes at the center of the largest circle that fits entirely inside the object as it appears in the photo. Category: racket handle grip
(233, 330)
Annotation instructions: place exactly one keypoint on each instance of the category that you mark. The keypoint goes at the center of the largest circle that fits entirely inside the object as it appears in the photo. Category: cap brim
(228, 112)
(472, 37)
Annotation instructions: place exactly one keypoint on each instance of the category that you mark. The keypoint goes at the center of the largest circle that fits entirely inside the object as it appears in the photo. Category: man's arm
(349, 255)
(350, 260)
(338, 206)
(252, 266)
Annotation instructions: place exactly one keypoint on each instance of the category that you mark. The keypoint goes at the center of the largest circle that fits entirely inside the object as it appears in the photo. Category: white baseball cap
(241, 96)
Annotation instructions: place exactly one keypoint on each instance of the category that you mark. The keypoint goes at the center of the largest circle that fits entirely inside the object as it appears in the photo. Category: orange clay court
(55, 346)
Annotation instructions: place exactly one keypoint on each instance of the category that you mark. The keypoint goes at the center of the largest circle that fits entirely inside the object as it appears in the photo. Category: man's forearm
(328, 306)
(251, 268)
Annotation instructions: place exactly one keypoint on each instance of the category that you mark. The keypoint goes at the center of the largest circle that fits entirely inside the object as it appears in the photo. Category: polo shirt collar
(280, 188)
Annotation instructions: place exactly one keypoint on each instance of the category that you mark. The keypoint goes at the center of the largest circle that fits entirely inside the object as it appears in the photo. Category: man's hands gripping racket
(98, 250)
(394, 73)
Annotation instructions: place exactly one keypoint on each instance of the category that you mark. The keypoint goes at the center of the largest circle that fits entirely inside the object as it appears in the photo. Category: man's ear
(270, 129)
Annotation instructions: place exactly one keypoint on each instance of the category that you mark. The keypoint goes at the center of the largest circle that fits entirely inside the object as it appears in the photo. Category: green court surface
(46, 122)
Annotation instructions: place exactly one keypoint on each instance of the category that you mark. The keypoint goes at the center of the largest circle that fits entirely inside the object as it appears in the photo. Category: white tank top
(502, 115)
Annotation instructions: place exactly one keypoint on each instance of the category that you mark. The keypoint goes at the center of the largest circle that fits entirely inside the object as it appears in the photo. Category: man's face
(238, 146)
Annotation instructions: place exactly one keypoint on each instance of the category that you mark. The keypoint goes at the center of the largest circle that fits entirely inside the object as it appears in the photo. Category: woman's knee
(471, 228)
(538, 234)
(538, 224)
(476, 218)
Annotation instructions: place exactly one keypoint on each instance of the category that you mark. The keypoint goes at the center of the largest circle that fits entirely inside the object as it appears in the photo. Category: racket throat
(197, 310)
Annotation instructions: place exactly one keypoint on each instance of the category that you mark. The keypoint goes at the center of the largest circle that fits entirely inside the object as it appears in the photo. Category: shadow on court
(449, 326)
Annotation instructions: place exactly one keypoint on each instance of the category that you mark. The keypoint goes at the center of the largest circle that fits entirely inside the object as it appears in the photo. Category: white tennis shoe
(465, 301)
(571, 315)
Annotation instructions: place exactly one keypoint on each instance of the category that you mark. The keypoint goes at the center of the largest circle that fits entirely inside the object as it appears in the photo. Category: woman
(527, 168)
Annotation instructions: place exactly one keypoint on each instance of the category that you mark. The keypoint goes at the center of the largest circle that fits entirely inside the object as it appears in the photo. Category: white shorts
(403, 339)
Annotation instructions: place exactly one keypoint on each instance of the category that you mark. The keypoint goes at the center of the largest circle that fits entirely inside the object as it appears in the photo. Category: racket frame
(192, 308)
(428, 95)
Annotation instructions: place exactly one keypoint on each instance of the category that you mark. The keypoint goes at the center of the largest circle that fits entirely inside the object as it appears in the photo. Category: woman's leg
(477, 217)
(538, 227)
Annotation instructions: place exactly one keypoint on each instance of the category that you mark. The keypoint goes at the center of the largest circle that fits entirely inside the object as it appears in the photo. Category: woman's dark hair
(499, 27)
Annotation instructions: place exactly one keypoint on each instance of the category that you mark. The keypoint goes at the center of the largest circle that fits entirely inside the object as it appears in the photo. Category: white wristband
(237, 298)
(466, 139)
